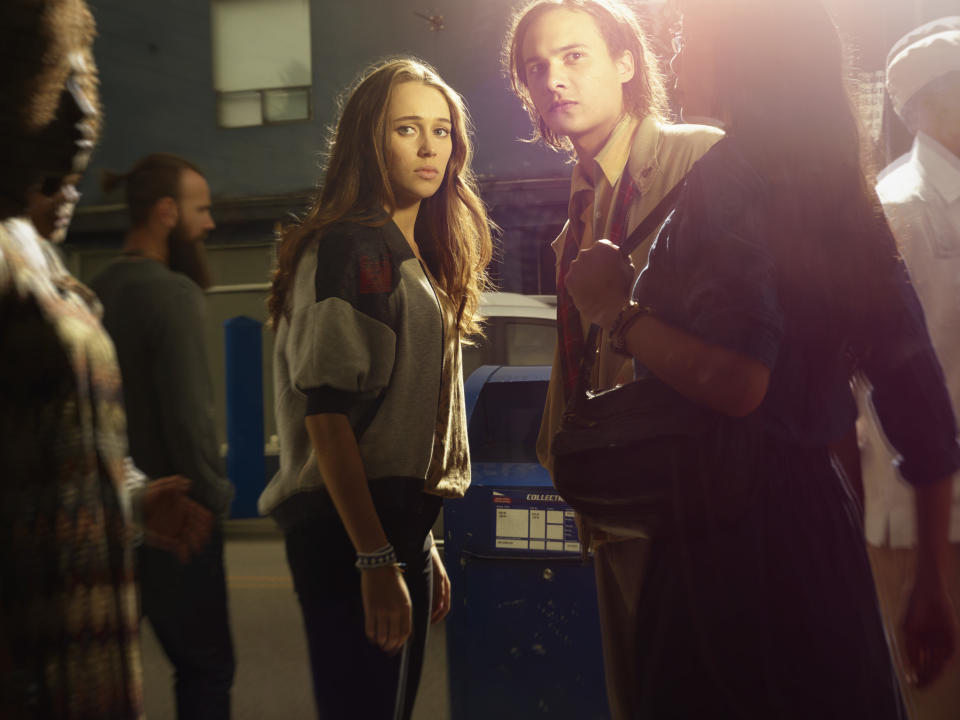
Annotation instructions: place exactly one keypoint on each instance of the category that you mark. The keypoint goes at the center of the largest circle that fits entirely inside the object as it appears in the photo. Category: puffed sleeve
(717, 251)
(343, 332)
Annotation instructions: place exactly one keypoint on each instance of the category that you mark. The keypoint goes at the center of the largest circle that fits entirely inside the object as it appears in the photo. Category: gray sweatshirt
(369, 336)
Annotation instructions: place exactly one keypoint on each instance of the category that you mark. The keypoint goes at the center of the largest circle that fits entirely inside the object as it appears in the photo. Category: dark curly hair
(37, 40)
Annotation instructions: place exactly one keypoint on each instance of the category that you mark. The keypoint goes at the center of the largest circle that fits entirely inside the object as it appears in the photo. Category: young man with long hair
(586, 76)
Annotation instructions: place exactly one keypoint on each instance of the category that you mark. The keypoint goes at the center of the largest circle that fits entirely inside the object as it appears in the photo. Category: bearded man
(154, 311)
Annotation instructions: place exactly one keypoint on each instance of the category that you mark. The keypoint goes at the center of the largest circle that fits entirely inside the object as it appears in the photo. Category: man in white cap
(920, 193)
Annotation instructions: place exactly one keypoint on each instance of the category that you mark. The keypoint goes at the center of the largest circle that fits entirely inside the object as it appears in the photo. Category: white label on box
(538, 524)
(512, 543)
(513, 523)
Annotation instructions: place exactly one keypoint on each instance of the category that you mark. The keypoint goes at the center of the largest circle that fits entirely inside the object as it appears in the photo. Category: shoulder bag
(620, 453)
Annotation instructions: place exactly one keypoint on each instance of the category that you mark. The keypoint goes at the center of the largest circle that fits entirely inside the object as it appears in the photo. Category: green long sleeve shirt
(156, 319)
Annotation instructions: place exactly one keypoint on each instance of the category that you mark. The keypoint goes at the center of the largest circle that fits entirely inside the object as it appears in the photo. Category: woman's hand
(441, 588)
(599, 282)
(386, 600)
(386, 607)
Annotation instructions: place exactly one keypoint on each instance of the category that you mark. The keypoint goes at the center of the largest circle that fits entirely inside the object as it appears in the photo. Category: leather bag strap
(650, 223)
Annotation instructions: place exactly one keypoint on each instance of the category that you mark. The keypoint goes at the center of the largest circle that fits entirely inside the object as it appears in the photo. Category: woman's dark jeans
(352, 677)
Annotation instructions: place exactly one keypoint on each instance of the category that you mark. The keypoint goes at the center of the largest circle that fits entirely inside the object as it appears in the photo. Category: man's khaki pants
(620, 567)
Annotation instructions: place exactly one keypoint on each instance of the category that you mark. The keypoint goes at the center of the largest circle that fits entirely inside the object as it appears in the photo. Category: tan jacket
(657, 157)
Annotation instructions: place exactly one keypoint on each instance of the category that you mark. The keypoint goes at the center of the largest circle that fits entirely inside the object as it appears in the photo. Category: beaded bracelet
(378, 558)
(628, 315)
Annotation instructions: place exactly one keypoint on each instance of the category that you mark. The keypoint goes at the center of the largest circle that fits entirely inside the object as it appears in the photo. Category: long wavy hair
(781, 76)
(452, 226)
(643, 95)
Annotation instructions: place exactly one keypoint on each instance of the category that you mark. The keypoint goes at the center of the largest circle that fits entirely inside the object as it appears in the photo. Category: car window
(512, 341)
(530, 342)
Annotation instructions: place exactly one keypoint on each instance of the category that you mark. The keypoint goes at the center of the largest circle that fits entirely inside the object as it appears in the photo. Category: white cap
(920, 57)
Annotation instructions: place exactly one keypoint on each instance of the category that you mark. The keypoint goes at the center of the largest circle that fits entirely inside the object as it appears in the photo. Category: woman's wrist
(385, 556)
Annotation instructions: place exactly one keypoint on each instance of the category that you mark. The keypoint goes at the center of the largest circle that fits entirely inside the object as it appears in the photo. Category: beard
(189, 256)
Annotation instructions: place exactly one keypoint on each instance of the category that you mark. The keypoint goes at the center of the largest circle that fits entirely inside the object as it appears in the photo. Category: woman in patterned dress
(69, 497)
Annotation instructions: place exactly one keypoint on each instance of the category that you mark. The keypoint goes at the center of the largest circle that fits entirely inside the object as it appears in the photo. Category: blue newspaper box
(523, 634)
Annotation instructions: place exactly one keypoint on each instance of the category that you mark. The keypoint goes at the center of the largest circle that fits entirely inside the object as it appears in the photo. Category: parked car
(521, 330)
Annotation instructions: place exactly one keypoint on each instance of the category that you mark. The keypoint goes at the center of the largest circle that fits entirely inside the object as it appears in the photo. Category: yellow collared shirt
(657, 156)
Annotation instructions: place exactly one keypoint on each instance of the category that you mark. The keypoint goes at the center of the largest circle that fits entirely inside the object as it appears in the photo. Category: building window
(261, 61)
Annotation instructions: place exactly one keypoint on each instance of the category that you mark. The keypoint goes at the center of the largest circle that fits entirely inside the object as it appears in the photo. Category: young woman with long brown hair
(373, 292)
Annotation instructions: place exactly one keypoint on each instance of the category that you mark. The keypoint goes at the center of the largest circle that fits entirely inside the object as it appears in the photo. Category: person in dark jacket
(775, 277)
(72, 505)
